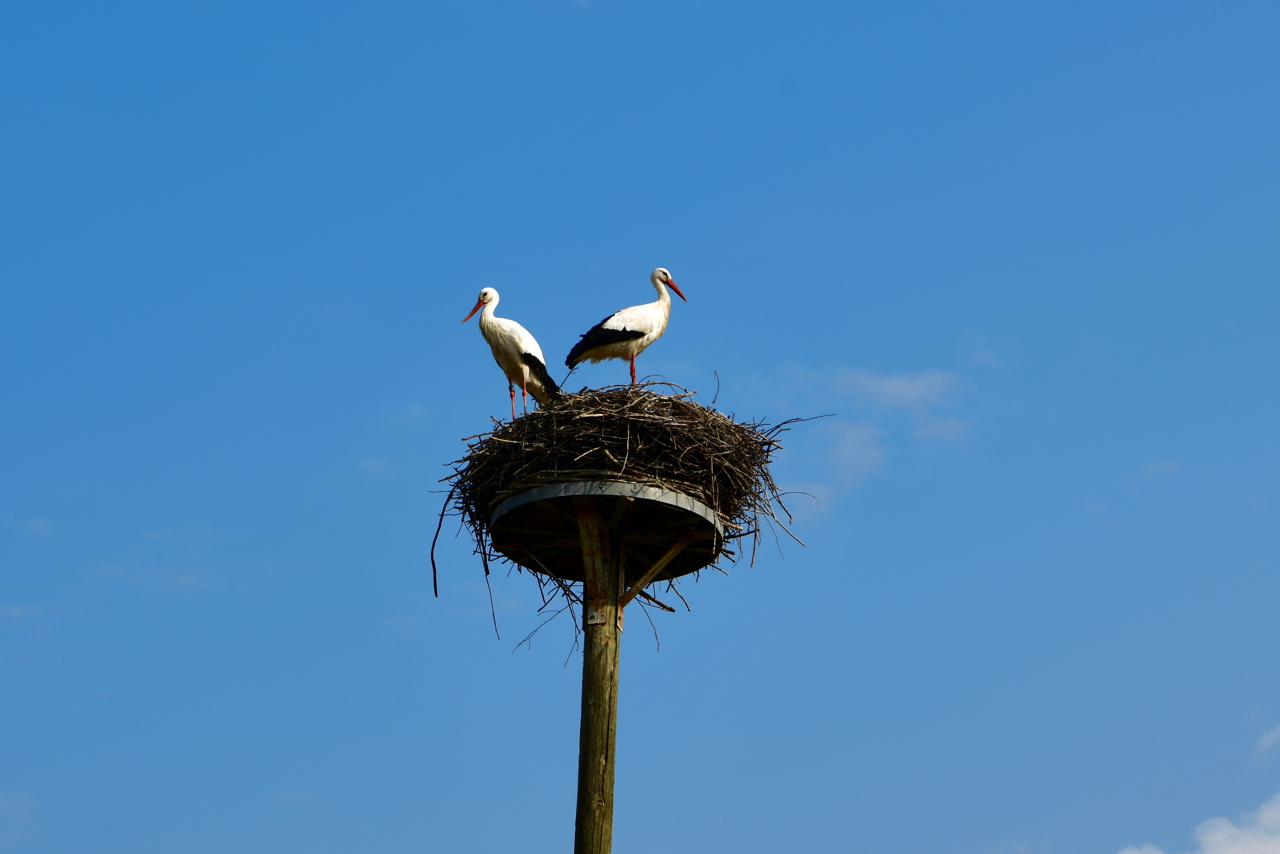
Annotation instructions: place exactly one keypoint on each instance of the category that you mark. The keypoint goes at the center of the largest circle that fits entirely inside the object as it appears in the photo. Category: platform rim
(610, 488)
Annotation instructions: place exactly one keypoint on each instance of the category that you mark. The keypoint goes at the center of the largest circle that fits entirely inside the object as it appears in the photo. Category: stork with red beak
(516, 352)
(625, 334)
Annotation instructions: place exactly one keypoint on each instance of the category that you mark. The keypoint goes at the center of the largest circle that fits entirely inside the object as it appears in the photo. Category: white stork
(516, 352)
(625, 334)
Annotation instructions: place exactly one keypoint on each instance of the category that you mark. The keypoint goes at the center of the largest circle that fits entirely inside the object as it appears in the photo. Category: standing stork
(516, 352)
(625, 334)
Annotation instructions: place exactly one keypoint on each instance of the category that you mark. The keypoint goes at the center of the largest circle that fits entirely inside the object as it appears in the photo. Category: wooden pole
(598, 737)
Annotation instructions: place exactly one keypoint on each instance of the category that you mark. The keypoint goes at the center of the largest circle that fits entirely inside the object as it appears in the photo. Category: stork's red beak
(479, 305)
(676, 288)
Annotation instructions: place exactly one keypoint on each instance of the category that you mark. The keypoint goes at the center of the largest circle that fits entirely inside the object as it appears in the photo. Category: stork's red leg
(633, 370)
(512, 389)
(524, 398)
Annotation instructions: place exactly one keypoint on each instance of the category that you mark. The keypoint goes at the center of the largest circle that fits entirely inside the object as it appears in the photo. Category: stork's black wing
(599, 336)
(540, 371)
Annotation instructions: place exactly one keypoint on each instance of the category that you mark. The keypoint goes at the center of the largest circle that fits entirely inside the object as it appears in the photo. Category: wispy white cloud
(986, 351)
(162, 578)
(411, 416)
(375, 467)
(877, 416)
(1012, 848)
(184, 560)
(17, 611)
(923, 395)
(189, 537)
(986, 358)
(405, 628)
(1269, 740)
(30, 620)
(944, 429)
(855, 451)
(916, 391)
(34, 527)
(1161, 468)
(1256, 833)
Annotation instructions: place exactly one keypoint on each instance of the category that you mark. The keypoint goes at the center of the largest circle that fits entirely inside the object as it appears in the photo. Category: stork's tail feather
(575, 355)
(544, 377)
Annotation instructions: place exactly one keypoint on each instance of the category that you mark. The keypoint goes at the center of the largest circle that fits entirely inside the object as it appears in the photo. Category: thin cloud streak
(34, 527)
(162, 579)
(916, 391)
(888, 411)
(944, 429)
(1161, 468)
(986, 351)
(375, 467)
(182, 561)
(855, 452)
(26, 611)
(1269, 741)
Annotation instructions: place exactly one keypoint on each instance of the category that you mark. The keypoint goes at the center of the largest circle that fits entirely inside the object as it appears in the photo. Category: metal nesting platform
(538, 529)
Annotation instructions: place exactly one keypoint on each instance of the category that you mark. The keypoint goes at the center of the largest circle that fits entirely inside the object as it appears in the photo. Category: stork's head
(488, 295)
(662, 277)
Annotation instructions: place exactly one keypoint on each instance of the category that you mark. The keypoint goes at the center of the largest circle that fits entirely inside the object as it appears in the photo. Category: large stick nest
(626, 434)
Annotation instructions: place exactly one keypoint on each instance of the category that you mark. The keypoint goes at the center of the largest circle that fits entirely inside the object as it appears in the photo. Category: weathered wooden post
(598, 736)
(599, 489)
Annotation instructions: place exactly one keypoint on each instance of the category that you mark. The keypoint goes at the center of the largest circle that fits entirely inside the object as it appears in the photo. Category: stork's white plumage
(625, 334)
(516, 352)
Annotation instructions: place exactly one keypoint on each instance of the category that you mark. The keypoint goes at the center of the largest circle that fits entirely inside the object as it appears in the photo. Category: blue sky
(1026, 255)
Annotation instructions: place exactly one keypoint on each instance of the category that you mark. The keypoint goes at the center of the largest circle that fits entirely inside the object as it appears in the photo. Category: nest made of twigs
(626, 434)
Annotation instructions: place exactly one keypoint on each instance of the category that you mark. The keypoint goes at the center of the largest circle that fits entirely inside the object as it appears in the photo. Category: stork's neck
(486, 314)
(663, 296)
